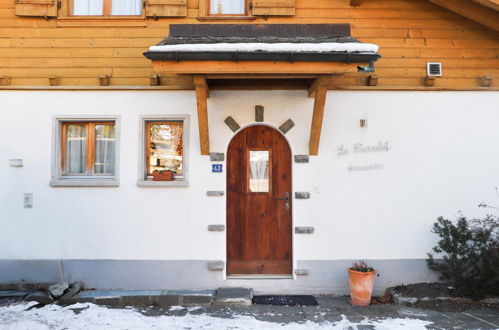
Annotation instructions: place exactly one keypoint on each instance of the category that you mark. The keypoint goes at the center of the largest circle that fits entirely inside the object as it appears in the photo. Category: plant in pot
(361, 280)
(162, 175)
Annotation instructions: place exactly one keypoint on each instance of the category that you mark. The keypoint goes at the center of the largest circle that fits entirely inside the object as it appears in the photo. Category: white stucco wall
(444, 157)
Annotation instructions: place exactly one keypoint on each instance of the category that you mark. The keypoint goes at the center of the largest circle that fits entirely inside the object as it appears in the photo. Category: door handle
(286, 199)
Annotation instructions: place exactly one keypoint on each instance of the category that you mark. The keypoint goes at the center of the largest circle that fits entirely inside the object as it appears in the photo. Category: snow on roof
(327, 47)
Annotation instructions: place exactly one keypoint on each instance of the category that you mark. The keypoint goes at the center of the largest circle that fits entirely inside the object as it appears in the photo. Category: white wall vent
(434, 69)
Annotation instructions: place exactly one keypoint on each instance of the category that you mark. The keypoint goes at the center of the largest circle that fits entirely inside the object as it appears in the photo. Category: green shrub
(468, 255)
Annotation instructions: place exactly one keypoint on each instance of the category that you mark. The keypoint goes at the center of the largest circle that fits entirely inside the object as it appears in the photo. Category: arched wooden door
(259, 227)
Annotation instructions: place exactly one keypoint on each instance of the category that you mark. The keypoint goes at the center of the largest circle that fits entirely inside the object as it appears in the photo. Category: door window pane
(126, 7)
(259, 171)
(165, 147)
(227, 7)
(87, 7)
(76, 146)
(104, 149)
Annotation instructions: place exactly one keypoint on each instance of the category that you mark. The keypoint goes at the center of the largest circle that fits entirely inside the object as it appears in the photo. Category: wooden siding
(410, 33)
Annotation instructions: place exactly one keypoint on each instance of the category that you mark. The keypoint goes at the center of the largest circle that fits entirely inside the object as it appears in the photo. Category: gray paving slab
(233, 296)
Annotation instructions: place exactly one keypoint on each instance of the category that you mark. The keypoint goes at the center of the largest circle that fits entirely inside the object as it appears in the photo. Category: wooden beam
(494, 4)
(202, 93)
(472, 11)
(319, 81)
(252, 67)
(317, 116)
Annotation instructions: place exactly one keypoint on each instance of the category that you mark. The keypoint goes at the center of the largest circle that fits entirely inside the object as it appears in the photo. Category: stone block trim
(288, 124)
(234, 296)
(217, 156)
(233, 125)
(304, 230)
(215, 193)
(302, 195)
(216, 265)
(301, 272)
(301, 158)
(217, 228)
(259, 113)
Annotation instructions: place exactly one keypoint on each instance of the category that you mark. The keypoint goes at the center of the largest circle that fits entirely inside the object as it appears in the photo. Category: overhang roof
(270, 42)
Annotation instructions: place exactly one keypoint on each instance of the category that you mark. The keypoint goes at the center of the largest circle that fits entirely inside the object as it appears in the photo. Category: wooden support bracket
(485, 81)
(154, 80)
(4, 80)
(320, 91)
(202, 94)
(104, 80)
(53, 80)
(429, 81)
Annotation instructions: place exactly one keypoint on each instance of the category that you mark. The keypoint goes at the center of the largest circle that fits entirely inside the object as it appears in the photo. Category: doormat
(285, 300)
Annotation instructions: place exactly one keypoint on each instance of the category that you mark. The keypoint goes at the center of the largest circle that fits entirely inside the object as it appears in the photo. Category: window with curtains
(259, 170)
(106, 7)
(227, 7)
(164, 149)
(86, 152)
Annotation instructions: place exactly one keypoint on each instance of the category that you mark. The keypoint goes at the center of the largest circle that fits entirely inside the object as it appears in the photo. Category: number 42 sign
(217, 168)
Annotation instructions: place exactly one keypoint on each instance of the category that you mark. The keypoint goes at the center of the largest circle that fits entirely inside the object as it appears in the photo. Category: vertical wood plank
(317, 116)
(202, 105)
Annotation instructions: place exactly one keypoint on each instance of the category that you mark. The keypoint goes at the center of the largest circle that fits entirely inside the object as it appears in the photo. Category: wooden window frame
(248, 170)
(204, 12)
(89, 150)
(145, 180)
(147, 131)
(106, 11)
(89, 179)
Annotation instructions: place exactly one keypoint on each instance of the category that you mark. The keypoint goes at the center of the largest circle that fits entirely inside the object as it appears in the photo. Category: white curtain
(104, 149)
(259, 171)
(126, 7)
(76, 147)
(227, 7)
(87, 7)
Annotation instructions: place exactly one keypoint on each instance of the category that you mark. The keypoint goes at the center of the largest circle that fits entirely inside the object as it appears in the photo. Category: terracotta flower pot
(162, 175)
(361, 287)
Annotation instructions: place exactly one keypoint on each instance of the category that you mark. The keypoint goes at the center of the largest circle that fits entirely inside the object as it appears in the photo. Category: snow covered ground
(89, 316)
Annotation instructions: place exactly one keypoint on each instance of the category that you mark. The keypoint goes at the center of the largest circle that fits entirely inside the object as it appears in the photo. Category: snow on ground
(267, 47)
(90, 316)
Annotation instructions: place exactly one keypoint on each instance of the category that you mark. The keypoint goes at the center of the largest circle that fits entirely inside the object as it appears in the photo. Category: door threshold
(259, 277)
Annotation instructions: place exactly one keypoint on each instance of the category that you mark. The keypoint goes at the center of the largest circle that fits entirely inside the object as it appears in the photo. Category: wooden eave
(484, 12)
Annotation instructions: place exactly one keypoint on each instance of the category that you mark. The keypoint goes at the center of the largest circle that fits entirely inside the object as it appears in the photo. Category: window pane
(165, 147)
(76, 146)
(126, 7)
(104, 149)
(228, 7)
(259, 171)
(87, 7)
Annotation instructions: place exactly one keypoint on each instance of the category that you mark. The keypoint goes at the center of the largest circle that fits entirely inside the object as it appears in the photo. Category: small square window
(85, 152)
(163, 158)
(107, 7)
(227, 7)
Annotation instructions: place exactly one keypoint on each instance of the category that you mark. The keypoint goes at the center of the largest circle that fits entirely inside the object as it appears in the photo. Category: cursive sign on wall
(381, 146)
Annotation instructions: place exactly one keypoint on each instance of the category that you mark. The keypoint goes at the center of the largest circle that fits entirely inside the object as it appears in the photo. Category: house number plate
(217, 168)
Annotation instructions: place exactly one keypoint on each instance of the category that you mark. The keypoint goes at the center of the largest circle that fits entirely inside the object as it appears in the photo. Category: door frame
(293, 261)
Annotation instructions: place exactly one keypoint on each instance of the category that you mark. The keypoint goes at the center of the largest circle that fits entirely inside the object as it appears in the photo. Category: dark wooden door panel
(258, 224)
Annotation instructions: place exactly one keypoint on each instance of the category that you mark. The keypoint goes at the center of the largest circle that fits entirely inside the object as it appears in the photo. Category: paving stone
(57, 290)
(304, 230)
(197, 300)
(142, 301)
(259, 113)
(302, 195)
(15, 293)
(108, 301)
(301, 158)
(233, 125)
(213, 193)
(217, 156)
(216, 228)
(165, 300)
(234, 296)
(288, 124)
(216, 265)
(68, 297)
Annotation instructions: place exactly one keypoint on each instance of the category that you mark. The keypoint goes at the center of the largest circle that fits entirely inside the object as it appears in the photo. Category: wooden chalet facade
(196, 144)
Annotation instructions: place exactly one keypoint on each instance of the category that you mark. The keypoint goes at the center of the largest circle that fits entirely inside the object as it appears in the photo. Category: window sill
(84, 182)
(158, 184)
(227, 18)
(101, 21)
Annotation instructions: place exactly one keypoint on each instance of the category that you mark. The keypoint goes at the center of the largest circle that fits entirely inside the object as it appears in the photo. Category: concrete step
(234, 296)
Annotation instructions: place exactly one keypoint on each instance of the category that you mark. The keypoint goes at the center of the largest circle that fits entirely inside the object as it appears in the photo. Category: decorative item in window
(227, 7)
(107, 7)
(164, 150)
